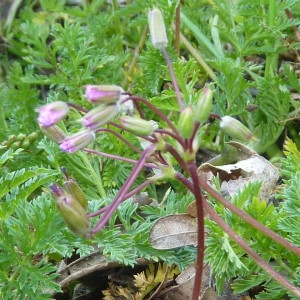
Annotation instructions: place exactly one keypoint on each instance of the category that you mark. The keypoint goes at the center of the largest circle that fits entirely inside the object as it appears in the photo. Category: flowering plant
(178, 140)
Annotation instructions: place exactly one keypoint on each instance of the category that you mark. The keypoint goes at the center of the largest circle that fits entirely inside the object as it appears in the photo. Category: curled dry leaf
(249, 167)
(173, 231)
(185, 284)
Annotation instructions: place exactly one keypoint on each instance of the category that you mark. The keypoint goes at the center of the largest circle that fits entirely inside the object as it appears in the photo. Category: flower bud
(25, 144)
(12, 138)
(21, 137)
(71, 210)
(203, 106)
(105, 94)
(51, 113)
(54, 133)
(16, 145)
(157, 29)
(32, 136)
(99, 116)
(77, 141)
(138, 126)
(236, 129)
(74, 190)
(186, 123)
(164, 172)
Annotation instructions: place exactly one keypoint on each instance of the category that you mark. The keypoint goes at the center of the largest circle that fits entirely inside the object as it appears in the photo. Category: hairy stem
(158, 112)
(117, 157)
(268, 232)
(123, 191)
(127, 196)
(263, 264)
(194, 187)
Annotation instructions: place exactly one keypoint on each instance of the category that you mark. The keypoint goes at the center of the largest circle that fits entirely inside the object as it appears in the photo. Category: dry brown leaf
(250, 167)
(174, 231)
(192, 209)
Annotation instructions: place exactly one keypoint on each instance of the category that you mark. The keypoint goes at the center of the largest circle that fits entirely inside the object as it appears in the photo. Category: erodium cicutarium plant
(167, 148)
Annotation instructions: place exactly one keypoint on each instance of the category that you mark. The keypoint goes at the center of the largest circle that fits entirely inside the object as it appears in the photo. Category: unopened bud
(51, 113)
(12, 138)
(186, 123)
(25, 144)
(77, 141)
(99, 116)
(21, 137)
(138, 126)
(157, 29)
(54, 133)
(32, 136)
(105, 94)
(16, 145)
(236, 129)
(71, 210)
(203, 105)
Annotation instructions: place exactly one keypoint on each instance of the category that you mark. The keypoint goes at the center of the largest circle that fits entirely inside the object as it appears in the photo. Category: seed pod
(71, 210)
(74, 189)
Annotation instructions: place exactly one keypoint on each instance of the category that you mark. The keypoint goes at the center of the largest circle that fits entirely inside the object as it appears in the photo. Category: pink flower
(99, 116)
(105, 94)
(77, 141)
(51, 113)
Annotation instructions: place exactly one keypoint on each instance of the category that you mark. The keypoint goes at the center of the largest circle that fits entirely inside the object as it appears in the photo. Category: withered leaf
(174, 231)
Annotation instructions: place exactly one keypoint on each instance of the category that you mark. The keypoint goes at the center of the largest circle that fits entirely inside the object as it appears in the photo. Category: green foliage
(136, 224)
(51, 50)
(230, 261)
(289, 194)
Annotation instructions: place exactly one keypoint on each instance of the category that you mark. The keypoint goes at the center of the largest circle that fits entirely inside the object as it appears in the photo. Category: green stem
(95, 175)
(271, 58)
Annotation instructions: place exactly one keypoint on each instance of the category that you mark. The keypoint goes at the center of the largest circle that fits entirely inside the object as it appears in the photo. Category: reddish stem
(268, 232)
(194, 187)
(117, 157)
(158, 112)
(264, 265)
(279, 278)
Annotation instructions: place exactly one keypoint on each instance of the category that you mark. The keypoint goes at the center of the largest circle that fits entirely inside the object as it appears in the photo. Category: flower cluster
(107, 99)
(178, 140)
